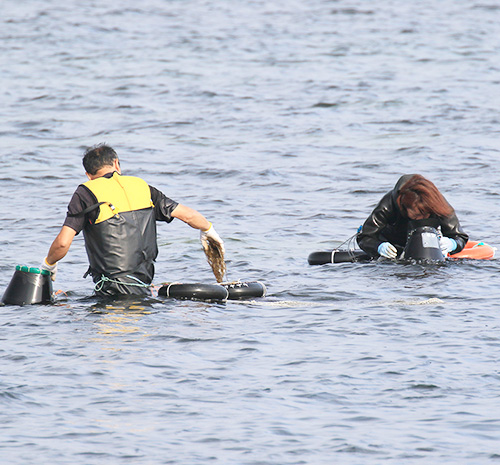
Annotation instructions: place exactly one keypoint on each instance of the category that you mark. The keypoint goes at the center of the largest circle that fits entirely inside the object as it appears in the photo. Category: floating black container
(423, 244)
(28, 286)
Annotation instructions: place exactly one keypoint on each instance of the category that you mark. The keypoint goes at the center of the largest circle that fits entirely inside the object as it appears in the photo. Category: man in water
(118, 217)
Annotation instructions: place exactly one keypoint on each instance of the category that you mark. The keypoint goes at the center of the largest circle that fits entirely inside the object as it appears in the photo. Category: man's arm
(197, 221)
(61, 245)
(191, 217)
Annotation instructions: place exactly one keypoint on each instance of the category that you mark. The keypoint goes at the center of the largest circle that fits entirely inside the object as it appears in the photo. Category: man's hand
(211, 233)
(50, 268)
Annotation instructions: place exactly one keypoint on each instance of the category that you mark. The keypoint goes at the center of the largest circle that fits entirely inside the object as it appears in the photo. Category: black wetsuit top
(388, 224)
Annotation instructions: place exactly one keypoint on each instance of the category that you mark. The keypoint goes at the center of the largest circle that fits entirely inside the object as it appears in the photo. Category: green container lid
(30, 269)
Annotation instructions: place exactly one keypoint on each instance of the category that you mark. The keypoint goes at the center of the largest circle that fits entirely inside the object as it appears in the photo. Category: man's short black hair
(97, 157)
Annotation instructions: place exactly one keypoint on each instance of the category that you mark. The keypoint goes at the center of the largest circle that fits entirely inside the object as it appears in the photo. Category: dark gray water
(283, 122)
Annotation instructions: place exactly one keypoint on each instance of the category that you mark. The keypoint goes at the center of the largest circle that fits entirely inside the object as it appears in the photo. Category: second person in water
(414, 197)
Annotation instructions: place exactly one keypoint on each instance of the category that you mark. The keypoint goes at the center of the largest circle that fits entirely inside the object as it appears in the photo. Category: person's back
(118, 215)
(121, 243)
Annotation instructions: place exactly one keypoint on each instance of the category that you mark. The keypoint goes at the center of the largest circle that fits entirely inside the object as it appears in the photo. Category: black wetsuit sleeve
(382, 215)
(450, 227)
(163, 205)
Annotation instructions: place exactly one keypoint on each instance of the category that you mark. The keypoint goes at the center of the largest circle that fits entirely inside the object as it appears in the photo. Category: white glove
(211, 233)
(447, 245)
(387, 250)
(50, 268)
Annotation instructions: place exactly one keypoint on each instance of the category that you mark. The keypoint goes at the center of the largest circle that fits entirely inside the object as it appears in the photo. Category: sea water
(284, 123)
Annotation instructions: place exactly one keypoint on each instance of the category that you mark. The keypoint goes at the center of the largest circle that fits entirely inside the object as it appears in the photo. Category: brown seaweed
(215, 258)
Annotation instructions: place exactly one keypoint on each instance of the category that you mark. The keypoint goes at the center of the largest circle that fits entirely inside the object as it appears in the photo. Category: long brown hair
(421, 194)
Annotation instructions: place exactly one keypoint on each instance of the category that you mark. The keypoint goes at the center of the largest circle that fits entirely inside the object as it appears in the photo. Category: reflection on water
(116, 304)
(120, 318)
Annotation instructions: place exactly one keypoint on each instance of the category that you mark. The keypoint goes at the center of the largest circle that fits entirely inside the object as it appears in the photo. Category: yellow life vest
(119, 194)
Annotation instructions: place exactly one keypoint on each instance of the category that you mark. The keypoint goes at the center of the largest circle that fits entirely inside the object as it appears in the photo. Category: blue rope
(100, 284)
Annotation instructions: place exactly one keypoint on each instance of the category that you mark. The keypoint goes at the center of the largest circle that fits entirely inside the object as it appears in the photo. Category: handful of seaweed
(215, 258)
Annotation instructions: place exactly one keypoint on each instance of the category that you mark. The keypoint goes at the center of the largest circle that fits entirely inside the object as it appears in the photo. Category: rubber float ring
(213, 292)
(194, 291)
(242, 290)
(337, 256)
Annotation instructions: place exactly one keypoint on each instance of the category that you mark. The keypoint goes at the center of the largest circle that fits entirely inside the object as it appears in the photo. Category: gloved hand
(447, 245)
(387, 250)
(211, 233)
(51, 268)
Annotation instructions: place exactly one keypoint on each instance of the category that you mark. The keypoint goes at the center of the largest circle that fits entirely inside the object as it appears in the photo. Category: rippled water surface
(284, 122)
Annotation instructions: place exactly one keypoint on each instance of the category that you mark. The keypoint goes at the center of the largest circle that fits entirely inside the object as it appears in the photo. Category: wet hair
(418, 193)
(97, 157)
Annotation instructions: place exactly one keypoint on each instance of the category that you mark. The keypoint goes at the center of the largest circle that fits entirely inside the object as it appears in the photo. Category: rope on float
(351, 245)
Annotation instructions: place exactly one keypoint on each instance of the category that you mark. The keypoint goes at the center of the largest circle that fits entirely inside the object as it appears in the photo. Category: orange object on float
(476, 250)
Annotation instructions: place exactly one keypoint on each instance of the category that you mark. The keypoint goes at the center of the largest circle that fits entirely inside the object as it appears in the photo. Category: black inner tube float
(243, 290)
(337, 256)
(213, 292)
